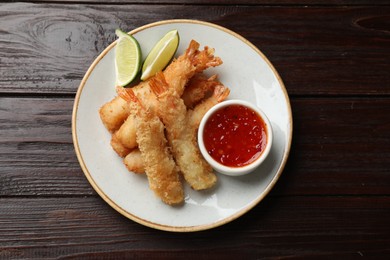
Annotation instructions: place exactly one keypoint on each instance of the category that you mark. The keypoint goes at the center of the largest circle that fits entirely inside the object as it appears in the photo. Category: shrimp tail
(201, 59)
(158, 84)
(213, 78)
(129, 95)
(192, 49)
(205, 59)
(221, 92)
(126, 94)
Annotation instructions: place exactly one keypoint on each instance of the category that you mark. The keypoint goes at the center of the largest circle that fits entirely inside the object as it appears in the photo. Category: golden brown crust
(114, 113)
(117, 146)
(134, 162)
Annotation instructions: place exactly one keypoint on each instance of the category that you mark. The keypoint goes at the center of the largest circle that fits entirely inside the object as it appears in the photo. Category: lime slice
(161, 54)
(128, 58)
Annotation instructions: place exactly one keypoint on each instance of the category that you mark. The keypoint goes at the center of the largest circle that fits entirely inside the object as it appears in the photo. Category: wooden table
(333, 198)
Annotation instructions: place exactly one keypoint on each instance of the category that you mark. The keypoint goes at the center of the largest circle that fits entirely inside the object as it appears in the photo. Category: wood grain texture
(228, 2)
(340, 147)
(86, 228)
(37, 155)
(47, 48)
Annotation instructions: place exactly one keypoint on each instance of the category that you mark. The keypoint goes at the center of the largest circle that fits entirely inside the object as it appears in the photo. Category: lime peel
(128, 58)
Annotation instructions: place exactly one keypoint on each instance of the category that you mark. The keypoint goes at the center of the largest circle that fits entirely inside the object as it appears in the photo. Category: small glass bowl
(240, 170)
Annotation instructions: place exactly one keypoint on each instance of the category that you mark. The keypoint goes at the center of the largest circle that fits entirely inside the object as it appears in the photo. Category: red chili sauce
(235, 135)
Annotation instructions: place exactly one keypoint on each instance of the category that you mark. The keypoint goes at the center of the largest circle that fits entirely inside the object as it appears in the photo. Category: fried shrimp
(134, 161)
(177, 74)
(193, 118)
(118, 147)
(160, 167)
(126, 134)
(114, 113)
(195, 115)
(153, 124)
(198, 87)
(172, 111)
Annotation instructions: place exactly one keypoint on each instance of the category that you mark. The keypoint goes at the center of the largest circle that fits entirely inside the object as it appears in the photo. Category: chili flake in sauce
(235, 135)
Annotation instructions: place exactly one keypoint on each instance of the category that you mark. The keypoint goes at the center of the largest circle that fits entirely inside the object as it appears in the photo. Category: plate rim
(163, 227)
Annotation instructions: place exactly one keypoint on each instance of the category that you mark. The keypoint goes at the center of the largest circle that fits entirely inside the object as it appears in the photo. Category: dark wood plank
(36, 132)
(340, 146)
(229, 2)
(87, 228)
(317, 50)
(37, 155)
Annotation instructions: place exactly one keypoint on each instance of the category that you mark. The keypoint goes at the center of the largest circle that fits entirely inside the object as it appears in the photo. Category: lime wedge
(128, 58)
(161, 54)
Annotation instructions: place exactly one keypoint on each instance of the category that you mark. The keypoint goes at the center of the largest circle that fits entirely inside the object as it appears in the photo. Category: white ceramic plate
(249, 75)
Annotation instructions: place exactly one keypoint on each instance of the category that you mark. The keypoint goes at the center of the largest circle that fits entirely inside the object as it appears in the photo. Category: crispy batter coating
(114, 113)
(154, 124)
(160, 168)
(172, 111)
(134, 161)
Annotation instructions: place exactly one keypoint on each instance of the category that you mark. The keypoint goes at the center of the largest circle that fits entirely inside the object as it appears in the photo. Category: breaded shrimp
(172, 111)
(118, 147)
(177, 74)
(198, 87)
(195, 115)
(160, 167)
(193, 118)
(134, 162)
(126, 134)
(114, 113)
